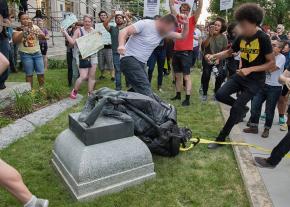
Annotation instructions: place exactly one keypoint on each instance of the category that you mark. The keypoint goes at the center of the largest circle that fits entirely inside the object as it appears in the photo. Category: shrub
(55, 91)
(39, 96)
(56, 64)
(23, 103)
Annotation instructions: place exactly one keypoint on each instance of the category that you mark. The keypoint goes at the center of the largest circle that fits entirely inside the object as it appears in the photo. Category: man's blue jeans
(118, 74)
(271, 95)
(4, 49)
(135, 74)
(158, 55)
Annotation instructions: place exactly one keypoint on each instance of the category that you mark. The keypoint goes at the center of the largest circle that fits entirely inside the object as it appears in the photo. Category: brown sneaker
(266, 133)
(251, 130)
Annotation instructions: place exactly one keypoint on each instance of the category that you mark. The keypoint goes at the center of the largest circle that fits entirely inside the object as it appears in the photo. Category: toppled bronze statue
(154, 121)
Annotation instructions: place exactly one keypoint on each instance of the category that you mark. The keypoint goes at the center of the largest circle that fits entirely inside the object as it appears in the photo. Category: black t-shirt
(253, 52)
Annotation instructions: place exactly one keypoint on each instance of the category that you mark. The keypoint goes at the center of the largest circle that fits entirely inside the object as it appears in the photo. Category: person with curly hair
(215, 42)
(257, 58)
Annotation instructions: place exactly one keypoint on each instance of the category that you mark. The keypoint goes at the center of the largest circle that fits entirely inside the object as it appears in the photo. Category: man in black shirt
(256, 56)
(4, 42)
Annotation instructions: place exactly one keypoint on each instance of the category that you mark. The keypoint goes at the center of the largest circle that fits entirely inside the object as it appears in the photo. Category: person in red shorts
(182, 55)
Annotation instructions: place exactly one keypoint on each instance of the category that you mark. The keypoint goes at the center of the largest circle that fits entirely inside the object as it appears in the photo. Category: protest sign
(68, 21)
(226, 4)
(90, 44)
(151, 8)
(106, 36)
(177, 4)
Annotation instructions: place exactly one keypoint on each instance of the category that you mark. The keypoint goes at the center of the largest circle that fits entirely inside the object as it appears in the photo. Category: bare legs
(178, 82)
(188, 84)
(92, 78)
(87, 74)
(40, 78)
(12, 181)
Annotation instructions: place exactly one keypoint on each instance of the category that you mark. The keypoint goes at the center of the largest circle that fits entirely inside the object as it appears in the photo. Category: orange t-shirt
(186, 43)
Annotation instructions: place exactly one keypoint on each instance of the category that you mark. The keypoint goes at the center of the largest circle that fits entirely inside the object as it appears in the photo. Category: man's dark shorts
(182, 61)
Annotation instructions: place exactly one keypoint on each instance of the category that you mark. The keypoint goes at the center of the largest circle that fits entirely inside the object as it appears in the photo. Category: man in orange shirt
(182, 56)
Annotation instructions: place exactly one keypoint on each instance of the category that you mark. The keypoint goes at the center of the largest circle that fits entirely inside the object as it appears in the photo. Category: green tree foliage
(277, 11)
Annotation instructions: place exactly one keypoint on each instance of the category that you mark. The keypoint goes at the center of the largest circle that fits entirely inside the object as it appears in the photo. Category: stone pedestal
(92, 166)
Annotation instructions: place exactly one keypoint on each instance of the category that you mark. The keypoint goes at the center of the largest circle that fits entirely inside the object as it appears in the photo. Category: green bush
(23, 103)
(55, 91)
(39, 96)
(4, 121)
(54, 64)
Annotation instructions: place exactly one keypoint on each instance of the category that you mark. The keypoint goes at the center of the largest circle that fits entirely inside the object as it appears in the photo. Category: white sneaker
(41, 203)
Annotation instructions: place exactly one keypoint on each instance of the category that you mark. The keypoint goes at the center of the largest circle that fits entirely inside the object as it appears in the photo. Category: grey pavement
(275, 181)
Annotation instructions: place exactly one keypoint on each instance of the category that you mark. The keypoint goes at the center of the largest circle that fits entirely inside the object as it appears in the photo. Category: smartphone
(119, 12)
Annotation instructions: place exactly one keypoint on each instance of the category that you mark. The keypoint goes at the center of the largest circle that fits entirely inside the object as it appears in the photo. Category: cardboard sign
(151, 8)
(106, 36)
(68, 21)
(226, 4)
(177, 4)
(90, 44)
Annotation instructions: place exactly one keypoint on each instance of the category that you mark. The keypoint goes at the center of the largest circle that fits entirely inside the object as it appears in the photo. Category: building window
(87, 4)
(61, 7)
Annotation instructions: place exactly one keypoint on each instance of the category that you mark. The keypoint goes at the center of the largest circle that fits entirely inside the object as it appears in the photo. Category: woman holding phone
(27, 37)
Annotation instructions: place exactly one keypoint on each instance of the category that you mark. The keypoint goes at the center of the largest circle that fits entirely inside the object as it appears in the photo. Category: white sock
(31, 202)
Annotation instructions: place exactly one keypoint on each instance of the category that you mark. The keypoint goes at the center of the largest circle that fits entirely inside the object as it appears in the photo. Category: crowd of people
(245, 58)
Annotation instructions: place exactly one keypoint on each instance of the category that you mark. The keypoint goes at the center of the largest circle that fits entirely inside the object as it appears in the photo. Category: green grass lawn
(196, 178)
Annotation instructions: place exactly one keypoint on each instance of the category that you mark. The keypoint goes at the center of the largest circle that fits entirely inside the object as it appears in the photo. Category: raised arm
(172, 8)
(128, 20)
(108, 20)
(197, 12)
(4, 63)
(184, 33)
(123, 36)
(71, 40)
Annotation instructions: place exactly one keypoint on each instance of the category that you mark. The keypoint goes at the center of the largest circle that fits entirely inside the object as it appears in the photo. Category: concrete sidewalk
(275, 182)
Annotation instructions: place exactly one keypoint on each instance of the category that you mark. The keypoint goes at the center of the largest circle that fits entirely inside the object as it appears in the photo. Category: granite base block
(105, 129)
(91, 171)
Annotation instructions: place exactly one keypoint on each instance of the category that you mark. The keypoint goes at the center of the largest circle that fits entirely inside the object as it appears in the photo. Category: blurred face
(119, 20)
(247, 29)
(217, 27)
(286, 49)
(87, 23)
(288, 35)
(40, 23)
(279, 29)
(24, 20)
(103, 17)
(236, 31)
(164, 27)
(276, 47)
(185, 10)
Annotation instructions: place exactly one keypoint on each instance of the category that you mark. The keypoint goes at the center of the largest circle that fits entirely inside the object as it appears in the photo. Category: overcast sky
(204, 13)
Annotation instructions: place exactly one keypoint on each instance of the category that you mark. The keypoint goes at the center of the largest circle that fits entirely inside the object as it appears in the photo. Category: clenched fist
(121, 50)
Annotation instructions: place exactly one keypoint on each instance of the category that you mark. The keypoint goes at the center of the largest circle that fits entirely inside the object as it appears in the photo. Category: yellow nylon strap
(206, 141)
